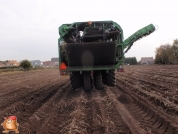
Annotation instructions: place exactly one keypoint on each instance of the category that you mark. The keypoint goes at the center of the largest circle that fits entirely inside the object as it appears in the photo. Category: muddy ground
(144, 101)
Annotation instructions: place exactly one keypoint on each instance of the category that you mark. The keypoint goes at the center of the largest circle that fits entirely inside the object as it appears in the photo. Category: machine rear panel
(91, 54)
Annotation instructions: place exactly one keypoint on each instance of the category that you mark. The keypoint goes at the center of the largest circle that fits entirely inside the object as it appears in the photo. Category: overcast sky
(29, 28)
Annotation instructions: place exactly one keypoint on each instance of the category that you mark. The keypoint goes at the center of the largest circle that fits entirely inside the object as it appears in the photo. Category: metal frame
(65, 28)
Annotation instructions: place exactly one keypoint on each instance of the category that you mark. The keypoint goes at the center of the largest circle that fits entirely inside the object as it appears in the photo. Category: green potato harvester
(90, 52)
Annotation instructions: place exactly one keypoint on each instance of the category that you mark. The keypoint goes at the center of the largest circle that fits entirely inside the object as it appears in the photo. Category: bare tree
(175, 50)
(167, 54)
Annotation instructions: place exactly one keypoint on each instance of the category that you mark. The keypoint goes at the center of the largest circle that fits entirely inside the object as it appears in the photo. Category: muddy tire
(76, 80)
(87, 82)
(103, 73)
(110, 78)
(98, 83)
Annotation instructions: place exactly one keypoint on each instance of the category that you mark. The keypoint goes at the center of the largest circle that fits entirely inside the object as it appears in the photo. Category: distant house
(36, 63)
(55, 61)
(48, 64)
(2, 65)
(12, 63)
(147, 60)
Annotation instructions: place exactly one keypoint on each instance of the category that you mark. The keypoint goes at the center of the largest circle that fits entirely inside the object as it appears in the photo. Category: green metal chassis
(64, 28)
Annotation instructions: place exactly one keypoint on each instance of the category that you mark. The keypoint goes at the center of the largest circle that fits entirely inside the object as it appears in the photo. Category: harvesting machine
(90, 52)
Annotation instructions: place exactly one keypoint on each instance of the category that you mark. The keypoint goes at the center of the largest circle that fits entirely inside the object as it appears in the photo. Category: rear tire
(98, 80)
(87, 81)
(76, 80)
(103, 73)
(110, 78)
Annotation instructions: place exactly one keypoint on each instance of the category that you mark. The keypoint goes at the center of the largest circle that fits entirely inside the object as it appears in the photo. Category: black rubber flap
(91, 54)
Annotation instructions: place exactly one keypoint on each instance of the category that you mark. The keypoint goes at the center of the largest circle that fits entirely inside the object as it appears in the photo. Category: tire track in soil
(24, 82)
(29, 104)
(104, 117)
(10, 99)
(167, 80)
(25, 86)
(96, 118)
(152, 83)
(149, 117)
(78, 114)
(92, 112)
(61, 119)
(16, 96)
(169, 105)
(38, 121)
(83, 113)
(77, 117)
(124, 120)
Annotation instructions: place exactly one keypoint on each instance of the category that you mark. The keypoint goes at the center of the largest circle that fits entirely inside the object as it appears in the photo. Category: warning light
(63, 66)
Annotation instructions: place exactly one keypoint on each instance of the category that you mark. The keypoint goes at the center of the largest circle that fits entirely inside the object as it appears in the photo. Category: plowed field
(144, 101)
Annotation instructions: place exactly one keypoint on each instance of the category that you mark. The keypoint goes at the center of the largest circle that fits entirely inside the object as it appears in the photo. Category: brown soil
(144, 101)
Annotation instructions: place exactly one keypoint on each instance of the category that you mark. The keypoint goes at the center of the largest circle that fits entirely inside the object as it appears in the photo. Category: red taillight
(63, 66)
(63, 69)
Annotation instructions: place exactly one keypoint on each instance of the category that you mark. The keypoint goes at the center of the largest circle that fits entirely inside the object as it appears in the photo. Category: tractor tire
(104, 74)
(98, 83)
(76, 80)
(87, 81)
(110, 78)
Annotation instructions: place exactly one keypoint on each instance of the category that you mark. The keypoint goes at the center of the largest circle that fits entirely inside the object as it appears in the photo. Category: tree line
(167, 53)
(130, 60)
